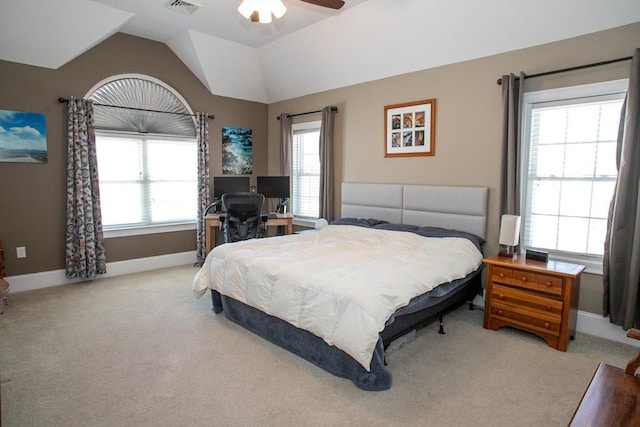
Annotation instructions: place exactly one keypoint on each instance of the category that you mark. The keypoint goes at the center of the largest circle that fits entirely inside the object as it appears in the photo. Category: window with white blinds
(147, 156)
(146, 181)
(305, 201)
(569, 169)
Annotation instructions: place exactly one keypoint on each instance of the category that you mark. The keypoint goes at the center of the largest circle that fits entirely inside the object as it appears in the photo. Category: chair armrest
(633, 366)
(212, 205)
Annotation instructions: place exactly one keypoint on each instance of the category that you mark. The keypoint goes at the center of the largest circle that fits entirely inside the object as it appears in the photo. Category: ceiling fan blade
(332, 4)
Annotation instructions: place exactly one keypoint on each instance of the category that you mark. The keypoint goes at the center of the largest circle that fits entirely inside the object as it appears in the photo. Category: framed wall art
(237, 151)
(23, 137)
(409, 129)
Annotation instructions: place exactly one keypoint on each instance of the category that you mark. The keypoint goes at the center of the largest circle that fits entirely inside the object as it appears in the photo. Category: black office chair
(242, 218)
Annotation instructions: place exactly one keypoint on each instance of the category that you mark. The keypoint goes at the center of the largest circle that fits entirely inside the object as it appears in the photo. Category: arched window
(147, 155)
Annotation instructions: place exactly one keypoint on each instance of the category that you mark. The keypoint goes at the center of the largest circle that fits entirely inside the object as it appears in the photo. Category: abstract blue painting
(22, 137)
(237, 151)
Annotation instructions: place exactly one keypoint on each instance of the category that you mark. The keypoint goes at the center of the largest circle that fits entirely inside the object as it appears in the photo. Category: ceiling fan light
(278, 8)
(246, 8)
(264, 9)
(264, 16)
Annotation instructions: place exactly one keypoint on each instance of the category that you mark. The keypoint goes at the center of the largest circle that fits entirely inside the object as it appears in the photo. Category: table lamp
(509, 235)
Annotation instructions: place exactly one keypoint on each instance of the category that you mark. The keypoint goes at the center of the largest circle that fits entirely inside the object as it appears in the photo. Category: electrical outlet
(21, 252)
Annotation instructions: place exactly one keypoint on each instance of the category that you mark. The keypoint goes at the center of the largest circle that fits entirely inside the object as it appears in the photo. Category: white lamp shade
(510, 230)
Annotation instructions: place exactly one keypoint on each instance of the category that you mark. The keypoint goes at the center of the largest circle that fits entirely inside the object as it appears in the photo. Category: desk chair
(242, 218)
(633, 365)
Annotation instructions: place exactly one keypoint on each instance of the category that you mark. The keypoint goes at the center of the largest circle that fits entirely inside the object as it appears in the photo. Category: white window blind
(306, 170)
(146, 180)
(569, 170)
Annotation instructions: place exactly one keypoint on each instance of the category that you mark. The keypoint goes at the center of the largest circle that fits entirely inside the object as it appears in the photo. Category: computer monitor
(274, 187)
(229, 184)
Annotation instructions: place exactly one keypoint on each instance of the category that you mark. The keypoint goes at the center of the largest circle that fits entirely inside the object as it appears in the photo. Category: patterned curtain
(85, 257)
(203, 184)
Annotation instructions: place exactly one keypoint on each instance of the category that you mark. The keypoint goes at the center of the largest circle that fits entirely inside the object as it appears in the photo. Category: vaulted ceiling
(310, 49)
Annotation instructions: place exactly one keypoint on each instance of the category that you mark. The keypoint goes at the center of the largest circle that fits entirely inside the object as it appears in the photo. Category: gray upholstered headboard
(458, 208)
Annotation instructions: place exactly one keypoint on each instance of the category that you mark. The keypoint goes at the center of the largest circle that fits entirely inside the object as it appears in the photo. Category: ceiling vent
(183, 6)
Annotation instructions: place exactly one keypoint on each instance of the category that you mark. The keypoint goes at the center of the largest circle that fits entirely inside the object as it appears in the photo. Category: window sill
(149, 229)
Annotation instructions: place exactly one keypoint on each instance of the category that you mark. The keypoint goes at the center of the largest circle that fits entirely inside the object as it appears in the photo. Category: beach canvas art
(23, 138)
(237, 151)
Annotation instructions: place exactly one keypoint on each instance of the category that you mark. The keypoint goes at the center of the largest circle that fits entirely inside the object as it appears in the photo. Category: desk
(211, 222)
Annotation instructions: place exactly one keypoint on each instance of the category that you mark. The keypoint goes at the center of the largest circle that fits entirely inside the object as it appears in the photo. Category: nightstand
(533, 296)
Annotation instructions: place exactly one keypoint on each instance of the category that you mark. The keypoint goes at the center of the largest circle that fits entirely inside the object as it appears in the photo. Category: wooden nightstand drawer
(549, 284)
(527, 319)
(502, 275)
(518, 298)
(524, 279)
(538, 282)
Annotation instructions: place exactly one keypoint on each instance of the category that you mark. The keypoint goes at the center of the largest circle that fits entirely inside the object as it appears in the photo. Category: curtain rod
(578, 67)
(64, 100)
(308, 112)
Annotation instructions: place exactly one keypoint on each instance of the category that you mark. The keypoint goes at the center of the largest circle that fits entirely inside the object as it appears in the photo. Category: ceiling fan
(251, 11)
(332, 4)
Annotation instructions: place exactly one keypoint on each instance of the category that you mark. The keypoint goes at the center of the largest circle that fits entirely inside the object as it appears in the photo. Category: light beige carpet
(138, 350)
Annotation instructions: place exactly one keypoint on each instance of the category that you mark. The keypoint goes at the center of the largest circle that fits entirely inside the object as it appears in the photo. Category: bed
(343, 319)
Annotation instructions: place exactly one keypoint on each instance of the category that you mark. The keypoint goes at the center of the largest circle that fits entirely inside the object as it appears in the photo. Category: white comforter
(341, 283)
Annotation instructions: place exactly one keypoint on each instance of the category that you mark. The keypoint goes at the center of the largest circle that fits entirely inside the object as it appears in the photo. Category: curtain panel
(84, 241)
(286, 144)
(202, 141)
(512, 94)
(326, 163)
(621, 262)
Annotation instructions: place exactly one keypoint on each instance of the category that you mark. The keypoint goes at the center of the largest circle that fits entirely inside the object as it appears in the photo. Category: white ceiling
(310, 49)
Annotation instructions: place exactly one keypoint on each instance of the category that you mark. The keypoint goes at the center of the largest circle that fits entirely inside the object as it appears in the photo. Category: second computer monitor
(274, 187)
(229, 184)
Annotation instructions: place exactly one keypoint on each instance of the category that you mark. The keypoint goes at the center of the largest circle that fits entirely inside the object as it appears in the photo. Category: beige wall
(468, 119)
(32, 196)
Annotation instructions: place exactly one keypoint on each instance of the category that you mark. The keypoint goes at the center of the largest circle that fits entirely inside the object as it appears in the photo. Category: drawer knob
(501, 296)
(548, 283)
(524, 278)
(501, 275)
(499, 312)
(547, 325)
(548, 307)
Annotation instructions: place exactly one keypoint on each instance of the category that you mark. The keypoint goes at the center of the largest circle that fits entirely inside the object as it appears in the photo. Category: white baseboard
(595, 324)
(45, 279)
